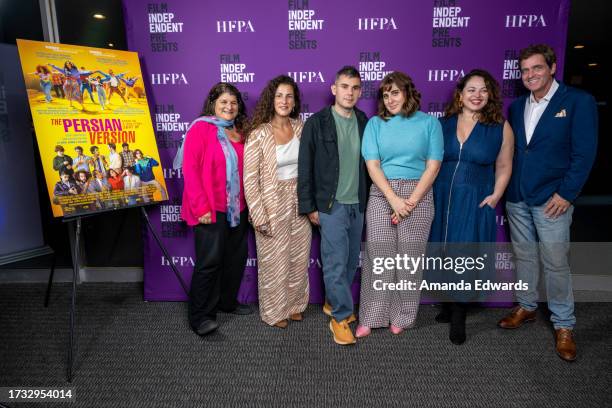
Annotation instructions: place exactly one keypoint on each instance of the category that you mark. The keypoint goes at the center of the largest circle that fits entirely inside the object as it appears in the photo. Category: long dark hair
(491, 113)
(215, 92)
(264, 111)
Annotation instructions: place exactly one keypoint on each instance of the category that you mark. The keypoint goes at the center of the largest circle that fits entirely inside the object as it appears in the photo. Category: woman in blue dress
(478, 149)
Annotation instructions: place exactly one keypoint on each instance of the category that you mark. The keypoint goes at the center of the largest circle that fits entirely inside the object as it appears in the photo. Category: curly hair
(42, 68)
(264, 111)
(77, 175)
(215, 92)
(491, 113)
(405, 84)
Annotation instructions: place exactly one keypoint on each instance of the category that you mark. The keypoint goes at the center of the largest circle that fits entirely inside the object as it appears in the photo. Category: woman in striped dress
(270, 188)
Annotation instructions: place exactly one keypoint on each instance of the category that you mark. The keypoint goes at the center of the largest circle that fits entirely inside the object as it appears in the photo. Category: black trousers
(221, 254)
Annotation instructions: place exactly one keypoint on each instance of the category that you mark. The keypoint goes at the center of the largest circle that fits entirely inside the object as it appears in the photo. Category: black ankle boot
(445, 313)
(457, 323)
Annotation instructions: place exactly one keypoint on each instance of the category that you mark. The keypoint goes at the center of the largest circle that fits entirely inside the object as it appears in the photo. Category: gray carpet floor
(137, 354)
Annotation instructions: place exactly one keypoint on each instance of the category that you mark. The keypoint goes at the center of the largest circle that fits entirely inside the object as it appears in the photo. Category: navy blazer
(561, 152)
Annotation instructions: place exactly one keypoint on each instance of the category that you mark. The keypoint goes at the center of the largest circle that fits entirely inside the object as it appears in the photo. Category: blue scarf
(232, 176)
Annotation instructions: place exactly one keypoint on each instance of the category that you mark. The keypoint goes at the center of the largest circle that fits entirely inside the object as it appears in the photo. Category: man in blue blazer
(555, 146)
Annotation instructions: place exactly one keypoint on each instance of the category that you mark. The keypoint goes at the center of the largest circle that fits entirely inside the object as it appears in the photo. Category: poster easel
(96, 140)
(77, 222)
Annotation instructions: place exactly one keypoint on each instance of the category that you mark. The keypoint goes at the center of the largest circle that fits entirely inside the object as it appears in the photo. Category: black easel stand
(75, 271)
(163, 249)
(50, 283)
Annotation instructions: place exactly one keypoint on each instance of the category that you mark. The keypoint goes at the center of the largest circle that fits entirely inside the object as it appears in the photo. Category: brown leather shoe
(327, 309)
(566, 346)
(516, 318)
(282, 324)
(297, 317)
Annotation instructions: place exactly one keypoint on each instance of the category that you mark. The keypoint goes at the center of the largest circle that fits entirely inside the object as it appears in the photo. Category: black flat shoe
(207, 327)
(242, 310)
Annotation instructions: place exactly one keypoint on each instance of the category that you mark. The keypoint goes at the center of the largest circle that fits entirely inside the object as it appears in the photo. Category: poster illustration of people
(93, 127)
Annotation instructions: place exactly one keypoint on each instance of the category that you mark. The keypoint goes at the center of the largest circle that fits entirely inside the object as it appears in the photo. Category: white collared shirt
(534, 109)
(114, 160)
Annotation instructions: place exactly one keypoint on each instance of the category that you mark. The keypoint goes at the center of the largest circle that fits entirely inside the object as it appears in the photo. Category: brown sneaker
(566, 346)
(516, 318)
(297, 317)
(327, 309)
(342, 332)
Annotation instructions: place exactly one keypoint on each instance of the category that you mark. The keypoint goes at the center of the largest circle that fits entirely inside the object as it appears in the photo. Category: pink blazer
(204, 174)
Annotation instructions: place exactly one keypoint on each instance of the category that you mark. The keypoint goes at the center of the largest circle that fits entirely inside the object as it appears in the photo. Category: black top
(319, 164)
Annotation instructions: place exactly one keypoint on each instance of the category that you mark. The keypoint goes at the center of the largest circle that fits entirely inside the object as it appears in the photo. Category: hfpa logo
(235, 26)
(172, 78)
(306, 76)
(170, 173)
(525, 20)
(178, 261)
(377, 23)
(442, 75)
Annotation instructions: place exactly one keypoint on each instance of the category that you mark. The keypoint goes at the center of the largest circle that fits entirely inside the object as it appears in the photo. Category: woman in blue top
(478, 149)
(144, 169)
(403, 149)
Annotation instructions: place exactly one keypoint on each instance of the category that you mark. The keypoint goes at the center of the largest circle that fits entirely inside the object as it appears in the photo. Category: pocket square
(561, 114)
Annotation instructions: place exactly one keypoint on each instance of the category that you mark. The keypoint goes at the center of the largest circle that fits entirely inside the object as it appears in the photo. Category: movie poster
(93, 127)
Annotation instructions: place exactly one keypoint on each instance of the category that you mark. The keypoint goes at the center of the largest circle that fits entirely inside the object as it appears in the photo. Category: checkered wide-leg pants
(379, 308)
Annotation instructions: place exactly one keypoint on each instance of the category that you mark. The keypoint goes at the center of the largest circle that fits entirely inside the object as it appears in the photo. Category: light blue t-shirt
(403, 145)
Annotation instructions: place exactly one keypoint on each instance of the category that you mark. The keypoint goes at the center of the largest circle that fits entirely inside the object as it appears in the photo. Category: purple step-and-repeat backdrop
(187, 46)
